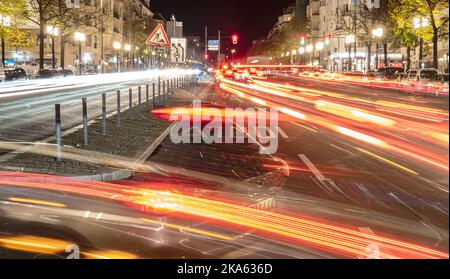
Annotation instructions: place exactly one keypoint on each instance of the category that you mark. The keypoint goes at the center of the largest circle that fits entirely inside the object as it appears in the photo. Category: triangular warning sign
(158, 37)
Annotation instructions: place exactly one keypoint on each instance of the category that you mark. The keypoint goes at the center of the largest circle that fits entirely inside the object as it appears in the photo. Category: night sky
(251, 19)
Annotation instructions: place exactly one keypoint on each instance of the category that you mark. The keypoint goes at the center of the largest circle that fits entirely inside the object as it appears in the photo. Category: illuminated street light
(79, 37)
(4, 21)
(309, 48)
(378, 32)
(301, 50)
(319, 46)
(53, 32)
(117, 46)
(420, 23)
(294, 52)
(350, 39)
(127, 48)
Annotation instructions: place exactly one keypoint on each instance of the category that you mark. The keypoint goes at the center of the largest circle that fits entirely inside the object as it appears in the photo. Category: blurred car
(373, 75)
(66, 73)
(229, 73)
(13, 74)
(428, 81)
(388, 73)
(91, 72)
(47, 73)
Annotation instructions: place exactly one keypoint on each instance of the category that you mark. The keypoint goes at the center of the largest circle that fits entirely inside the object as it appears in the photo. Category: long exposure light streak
(298, 230)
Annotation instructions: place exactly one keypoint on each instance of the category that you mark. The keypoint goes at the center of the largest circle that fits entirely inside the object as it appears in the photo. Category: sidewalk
(107, 157)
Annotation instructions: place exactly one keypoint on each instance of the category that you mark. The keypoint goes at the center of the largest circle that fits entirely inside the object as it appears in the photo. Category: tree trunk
(41, 44)
(386, 62)
(3, 47)
(369, 57)
(62, 53)
(408, 58)
(435, 48)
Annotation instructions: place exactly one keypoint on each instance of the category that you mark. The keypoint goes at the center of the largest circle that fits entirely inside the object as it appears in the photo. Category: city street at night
(165, 130)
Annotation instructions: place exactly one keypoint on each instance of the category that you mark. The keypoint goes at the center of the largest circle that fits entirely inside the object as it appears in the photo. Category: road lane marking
(282, 133)
(38, 202)
(269, 132)
(387, 161)
(313, 168)
(305, 127)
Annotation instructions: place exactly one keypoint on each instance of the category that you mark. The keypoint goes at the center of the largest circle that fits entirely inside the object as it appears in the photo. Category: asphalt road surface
(364, 174)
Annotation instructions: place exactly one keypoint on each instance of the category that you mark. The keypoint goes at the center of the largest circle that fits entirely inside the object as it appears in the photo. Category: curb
(118, 175)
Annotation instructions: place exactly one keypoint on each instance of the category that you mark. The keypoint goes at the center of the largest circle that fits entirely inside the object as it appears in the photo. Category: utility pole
(206, 44)
(102, 54)
(3, 48)
(355, 30)
(218, 57)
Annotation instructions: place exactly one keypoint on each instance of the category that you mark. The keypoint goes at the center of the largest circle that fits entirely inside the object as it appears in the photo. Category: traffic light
(205, 56)
(235, 39)
(302, 40)
(327, 39)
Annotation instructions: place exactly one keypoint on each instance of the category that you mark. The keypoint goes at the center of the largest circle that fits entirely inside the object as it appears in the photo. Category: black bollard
(58, 132)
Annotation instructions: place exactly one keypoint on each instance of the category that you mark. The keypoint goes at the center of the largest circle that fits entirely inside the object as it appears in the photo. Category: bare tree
(360, 22)
(41, 12)
(69, 20)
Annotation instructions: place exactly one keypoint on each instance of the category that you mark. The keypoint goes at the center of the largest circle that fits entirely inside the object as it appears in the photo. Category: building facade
(100, 46)
(339, 36)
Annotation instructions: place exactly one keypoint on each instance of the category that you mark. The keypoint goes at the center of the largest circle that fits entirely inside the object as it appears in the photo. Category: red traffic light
(302, 40)
(327, 39)
(235, 39)
(205, 56)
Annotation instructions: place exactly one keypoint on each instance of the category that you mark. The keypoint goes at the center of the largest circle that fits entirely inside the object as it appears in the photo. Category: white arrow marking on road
(312, 168)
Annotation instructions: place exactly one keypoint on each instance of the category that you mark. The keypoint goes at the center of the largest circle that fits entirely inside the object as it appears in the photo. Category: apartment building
(345, 49)
(101, 40)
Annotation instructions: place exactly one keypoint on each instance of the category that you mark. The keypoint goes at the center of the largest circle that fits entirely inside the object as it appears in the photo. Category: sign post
(178, 50)
(159, 39)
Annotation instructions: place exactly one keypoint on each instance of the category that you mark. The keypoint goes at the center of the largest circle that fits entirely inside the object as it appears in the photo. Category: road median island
(113, 156)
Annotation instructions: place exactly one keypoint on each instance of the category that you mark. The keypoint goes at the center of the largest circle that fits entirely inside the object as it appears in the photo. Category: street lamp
(301, 52)
(117, 46)
(319, 48)
(136, 57)
(377, 33)
(53, 32)
(349, 41)
(5, 21)
(127, 48)
(419, 23)
(294, 54)
(309, 48)
(80, 37)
